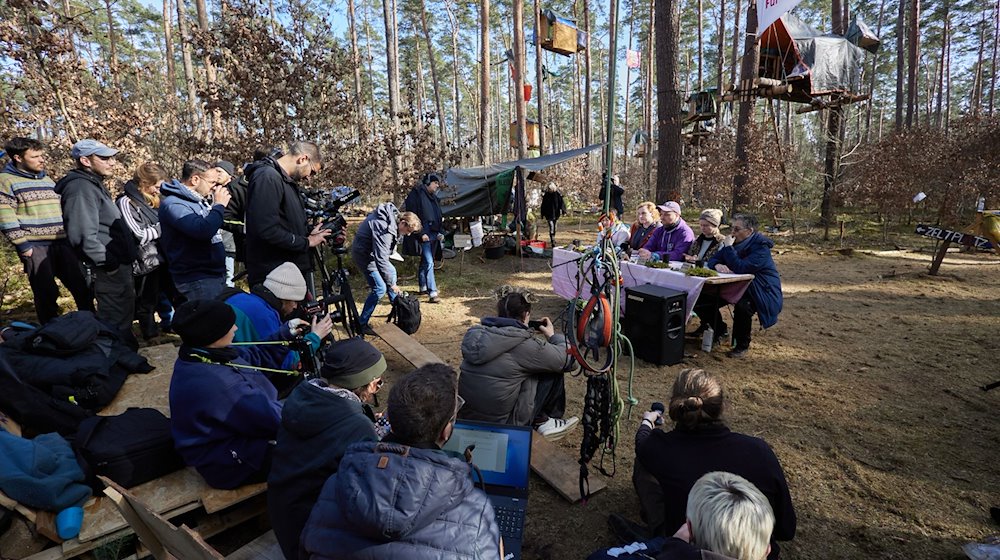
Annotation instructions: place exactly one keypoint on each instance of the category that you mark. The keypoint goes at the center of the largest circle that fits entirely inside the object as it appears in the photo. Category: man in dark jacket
(320, 419)
(553, 206)
(232, 232)
(276, 215)
(423, 202)
(404, 497)
(750, 253)
(97, 232)
(190, 217)
(616, 194)
(31, 219)
(374, 242)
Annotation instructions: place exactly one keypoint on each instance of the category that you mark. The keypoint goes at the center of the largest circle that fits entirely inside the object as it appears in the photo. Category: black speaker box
(654, 323)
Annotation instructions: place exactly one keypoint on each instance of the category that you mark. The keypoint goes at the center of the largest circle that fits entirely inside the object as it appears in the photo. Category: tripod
(336, 290)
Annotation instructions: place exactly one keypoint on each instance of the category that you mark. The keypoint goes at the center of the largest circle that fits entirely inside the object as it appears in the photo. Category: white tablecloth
(565, 270)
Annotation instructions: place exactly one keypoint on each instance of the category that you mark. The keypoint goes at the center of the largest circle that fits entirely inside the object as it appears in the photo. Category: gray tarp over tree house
(815, 63)
(483, 191)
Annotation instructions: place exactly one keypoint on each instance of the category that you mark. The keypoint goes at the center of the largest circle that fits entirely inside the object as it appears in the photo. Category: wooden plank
(407, 346)
(164, 494)
(147, 390)
(9, 503)
(264, 547)
(728, 279)
(559, 470)
(966, 239)
(216, 500)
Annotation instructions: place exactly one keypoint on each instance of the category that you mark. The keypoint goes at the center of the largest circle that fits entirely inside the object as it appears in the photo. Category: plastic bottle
(707, 339)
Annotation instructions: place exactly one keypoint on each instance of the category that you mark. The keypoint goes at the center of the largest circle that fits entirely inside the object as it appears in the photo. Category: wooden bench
(407, 346)
(561, 471)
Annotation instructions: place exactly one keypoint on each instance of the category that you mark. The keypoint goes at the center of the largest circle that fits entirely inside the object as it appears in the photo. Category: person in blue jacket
(404, 497)
(749, 252)
(224, 413)
(423, 202)
(261, 313)
(191, 213)
(320, 419)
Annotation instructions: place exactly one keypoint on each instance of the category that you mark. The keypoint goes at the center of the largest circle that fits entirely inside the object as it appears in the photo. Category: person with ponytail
(668, 463)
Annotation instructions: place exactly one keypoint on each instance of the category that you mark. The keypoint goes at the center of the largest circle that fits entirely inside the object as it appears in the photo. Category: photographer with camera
(373, 243)
(423, 202)
(509, 376)
(269, 306)
(276, 229)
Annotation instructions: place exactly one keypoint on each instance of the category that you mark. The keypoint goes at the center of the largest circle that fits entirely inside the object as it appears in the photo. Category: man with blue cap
(98, 233)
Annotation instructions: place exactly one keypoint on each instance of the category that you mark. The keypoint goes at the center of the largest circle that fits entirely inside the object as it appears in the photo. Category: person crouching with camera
(261, 313)
(509, 376)
(374, 242)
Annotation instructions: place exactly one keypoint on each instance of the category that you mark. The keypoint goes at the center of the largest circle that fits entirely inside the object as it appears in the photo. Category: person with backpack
(374, 242)
(138, 204)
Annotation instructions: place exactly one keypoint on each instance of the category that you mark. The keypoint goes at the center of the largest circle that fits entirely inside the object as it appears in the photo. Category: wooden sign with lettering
(954, 236)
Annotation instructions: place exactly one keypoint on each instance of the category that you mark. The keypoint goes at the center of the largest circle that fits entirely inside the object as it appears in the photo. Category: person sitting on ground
(703, 249)
(612, 228)
(262, 313)
(671, 240)
(224, 413)
(750, 253)
(509, 376)
(700, 437)
(647, 219)
(404, 497)
(320, 419)
(374, 242)
(728, 518)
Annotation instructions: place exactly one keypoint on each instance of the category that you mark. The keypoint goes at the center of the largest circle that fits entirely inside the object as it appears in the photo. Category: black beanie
(352, 363)
(203, 321)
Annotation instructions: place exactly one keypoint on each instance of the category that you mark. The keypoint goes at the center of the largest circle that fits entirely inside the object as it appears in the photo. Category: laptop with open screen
(503, 455)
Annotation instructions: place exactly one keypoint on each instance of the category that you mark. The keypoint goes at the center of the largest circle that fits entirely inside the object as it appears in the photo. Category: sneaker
(738, 353)
(555, 429)
(433, 299)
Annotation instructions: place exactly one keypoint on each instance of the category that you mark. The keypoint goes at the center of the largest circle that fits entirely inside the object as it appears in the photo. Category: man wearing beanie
(319, 420)
(671, 240)
(262, 312)
(224, 413)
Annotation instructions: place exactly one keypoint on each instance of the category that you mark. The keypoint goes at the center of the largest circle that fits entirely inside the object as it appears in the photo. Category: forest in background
(393, 88)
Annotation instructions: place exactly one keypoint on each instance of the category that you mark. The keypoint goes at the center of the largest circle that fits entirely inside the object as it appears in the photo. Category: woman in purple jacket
(671, 240)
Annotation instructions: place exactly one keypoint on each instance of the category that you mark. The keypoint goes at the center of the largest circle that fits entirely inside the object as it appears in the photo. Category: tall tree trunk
(701, 45)
(628, 85)
(871, 83)
(442, 121)
(900, 64)
(834, 138)
(112, 44)
(938, 117)
(650, 74)
(993, 61)
(668, 101)
(218, 131)
(168, 43)
(419, 86)
(356, 62)
(947, 95)
(456, 94)
(734, 55)
(188, 66)
(977, 90)
(392, 68)
(519, 104)
(912, 61)
(721, 59)
(370, 62)
(748, 72)
(68, 13)
(484, 81)
(539, 82)
(588, 135)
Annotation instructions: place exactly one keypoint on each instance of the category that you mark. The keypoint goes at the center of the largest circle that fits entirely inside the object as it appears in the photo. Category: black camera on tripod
(324, 206)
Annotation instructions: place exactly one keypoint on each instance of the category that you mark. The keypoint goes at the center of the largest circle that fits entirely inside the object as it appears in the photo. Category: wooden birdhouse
(530, 131)
(560, 35)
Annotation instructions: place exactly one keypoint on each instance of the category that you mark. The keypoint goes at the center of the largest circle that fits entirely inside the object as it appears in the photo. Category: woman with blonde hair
(553, 206)
(138, 204)
(647, 218)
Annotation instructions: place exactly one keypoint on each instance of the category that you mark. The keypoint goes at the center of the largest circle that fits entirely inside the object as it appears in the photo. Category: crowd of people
(344, 480)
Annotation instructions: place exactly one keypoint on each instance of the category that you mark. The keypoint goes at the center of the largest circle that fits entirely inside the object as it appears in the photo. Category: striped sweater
(29, 209)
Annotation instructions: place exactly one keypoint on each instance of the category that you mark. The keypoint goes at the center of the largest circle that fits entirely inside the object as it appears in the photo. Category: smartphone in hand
(535, 324)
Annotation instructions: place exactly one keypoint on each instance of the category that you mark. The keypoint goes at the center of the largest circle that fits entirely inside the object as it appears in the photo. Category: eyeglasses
(459, 403)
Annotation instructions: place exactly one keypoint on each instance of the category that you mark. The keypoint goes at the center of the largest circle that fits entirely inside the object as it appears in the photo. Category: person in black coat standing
(275, 214)
(617, 191)
(553, 206)
(423, 202)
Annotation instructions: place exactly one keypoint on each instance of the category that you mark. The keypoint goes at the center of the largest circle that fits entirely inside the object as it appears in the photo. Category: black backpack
(405, 313)
(133, 447)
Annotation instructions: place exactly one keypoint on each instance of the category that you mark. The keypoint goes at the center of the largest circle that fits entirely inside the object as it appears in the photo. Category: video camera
(325, 206)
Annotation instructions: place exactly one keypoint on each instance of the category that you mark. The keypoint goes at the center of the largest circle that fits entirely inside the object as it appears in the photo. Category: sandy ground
(867, 389)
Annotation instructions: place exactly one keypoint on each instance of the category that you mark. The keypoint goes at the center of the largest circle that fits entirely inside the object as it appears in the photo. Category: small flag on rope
(632, 58)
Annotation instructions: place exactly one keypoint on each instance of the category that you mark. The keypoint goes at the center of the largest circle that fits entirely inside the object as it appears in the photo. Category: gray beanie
(712, 216)
(286, 282)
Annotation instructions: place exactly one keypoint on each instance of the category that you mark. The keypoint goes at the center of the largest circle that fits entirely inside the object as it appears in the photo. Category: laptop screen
(502, 452)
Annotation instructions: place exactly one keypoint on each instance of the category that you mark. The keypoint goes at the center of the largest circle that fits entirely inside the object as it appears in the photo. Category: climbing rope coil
(594, 343)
